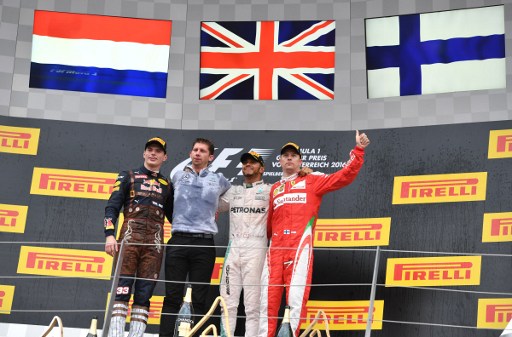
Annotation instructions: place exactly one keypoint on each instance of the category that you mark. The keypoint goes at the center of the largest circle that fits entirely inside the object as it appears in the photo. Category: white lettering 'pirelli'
(291, 198)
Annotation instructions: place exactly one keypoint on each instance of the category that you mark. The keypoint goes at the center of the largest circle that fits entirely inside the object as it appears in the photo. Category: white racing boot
(138, 321)
(118, 320)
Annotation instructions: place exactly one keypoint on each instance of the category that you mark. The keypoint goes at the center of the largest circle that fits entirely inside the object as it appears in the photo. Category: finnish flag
(450, 51)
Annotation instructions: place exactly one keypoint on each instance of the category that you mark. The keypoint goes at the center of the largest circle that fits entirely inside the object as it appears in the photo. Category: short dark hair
(211, 147)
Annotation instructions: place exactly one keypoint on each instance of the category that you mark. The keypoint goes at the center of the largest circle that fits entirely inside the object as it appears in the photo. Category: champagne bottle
(285, 330)
(92, 329)
(185, 319)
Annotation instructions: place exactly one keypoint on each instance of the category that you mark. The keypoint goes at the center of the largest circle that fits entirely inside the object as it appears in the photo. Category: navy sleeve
(115, 202)
(169, 203)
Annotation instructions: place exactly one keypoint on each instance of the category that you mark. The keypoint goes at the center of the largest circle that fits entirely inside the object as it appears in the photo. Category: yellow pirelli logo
(494, 313)
(497, 227)
(13, 218)
(352, 232)
(434, 271)
(6, 298)
(19, 140)
(72, 183)
(64, 262)
(217, 271)
(456, 187)
(345, 315)
(155, 309)
(167, 228)
(500, 144)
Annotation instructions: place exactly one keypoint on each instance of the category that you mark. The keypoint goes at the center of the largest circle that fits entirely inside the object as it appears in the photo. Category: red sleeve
(330, 182)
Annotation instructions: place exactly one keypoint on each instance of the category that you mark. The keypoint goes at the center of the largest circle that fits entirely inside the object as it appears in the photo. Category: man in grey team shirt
(191, 249)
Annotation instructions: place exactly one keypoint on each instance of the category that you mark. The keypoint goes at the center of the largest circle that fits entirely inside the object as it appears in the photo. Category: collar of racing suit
(285, 179)
(148, 172)
(250, 185)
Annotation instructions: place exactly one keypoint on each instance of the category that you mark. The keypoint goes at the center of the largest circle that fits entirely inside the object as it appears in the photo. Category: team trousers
(189, 255)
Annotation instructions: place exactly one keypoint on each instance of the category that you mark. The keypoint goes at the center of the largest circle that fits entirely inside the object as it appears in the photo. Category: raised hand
(362, 140)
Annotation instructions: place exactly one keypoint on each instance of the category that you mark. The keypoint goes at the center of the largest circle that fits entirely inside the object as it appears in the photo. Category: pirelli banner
(437, 200)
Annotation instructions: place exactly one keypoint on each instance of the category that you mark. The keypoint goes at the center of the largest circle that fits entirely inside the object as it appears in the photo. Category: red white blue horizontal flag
(267, 60)
(431, 53)
(100, 54)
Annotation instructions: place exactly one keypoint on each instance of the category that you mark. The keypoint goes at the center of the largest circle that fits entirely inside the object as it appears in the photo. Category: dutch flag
(100, 54)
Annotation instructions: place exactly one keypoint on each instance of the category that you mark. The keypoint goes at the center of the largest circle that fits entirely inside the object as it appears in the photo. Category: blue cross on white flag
(448, 51)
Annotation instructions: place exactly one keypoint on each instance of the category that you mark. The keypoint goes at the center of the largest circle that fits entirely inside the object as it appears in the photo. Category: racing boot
(118, 319)
(138, 321)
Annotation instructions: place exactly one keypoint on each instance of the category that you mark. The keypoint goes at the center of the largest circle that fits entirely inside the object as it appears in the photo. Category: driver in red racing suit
(293, 211)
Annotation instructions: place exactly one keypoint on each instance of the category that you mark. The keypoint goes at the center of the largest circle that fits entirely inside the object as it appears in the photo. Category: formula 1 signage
(227, 161)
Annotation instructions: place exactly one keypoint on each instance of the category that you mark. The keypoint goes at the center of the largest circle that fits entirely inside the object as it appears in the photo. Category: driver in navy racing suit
(146, 197)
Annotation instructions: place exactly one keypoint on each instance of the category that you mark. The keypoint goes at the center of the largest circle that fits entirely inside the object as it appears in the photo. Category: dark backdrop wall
(447, 229)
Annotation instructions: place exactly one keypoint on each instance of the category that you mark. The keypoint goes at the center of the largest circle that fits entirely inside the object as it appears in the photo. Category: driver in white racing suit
(245, 255)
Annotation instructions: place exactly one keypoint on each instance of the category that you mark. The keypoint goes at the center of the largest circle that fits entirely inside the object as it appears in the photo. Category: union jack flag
(267, 60)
